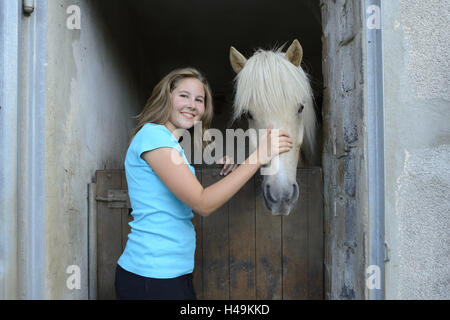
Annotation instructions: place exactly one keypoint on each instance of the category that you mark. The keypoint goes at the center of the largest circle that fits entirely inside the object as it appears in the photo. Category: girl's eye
(184, 96)
(300, 109)
(200, 100)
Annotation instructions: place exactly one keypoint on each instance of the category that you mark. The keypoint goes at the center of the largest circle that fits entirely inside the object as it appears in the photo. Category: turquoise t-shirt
(161, 243)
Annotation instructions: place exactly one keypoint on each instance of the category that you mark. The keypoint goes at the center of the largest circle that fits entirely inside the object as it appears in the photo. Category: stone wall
(417, 147)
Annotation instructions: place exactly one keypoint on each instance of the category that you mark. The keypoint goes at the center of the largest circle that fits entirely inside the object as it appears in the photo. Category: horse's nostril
(294, 191)
(269, 195)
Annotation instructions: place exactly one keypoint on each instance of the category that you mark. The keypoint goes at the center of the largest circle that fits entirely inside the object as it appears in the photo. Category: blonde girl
(158, 259)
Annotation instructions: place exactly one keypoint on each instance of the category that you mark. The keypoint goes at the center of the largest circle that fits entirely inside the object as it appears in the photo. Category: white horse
(272, 88)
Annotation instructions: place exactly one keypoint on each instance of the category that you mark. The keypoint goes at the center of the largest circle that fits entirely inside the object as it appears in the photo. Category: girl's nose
(190, 104)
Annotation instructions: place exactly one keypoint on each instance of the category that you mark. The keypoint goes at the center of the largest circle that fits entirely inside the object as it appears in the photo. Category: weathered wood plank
(316, 235)
(126, 217)
(242, 243)
(215, 247)
(198, 268)
(109, 233)
(268, 249)
(295, 244)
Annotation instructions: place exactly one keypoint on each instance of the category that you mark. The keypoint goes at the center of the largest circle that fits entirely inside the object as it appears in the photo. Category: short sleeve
(152, 137)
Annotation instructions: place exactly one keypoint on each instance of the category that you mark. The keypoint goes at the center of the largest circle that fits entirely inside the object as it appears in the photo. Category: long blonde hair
(159, 106)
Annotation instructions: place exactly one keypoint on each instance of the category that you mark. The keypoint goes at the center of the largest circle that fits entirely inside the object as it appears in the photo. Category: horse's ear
(237, 60)
(295, 53)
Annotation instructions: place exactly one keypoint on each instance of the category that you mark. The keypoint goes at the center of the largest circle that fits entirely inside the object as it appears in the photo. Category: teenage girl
(158, 259)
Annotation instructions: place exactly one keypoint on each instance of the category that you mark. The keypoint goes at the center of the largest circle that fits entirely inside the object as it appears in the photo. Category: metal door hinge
(28, 6)
(116, 199)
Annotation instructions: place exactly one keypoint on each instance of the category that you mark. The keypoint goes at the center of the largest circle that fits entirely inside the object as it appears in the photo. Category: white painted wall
(90, 99)
(416, 58)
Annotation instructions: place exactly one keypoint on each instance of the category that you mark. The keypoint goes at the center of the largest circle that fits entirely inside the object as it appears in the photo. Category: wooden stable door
(243, 251)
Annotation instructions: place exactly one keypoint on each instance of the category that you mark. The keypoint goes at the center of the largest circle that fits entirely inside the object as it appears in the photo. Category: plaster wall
(91, 96)
(417, 148)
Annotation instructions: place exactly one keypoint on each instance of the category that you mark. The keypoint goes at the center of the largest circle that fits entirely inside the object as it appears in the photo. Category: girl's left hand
(228, 165)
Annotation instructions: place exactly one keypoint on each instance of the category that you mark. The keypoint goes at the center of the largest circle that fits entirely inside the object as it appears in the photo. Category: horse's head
(272, 88)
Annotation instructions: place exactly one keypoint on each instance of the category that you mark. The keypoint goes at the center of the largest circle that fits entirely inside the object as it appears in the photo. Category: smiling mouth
(188, 115)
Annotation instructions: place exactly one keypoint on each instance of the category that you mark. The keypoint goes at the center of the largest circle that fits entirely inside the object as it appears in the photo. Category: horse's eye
(300, 109)
(249, 116)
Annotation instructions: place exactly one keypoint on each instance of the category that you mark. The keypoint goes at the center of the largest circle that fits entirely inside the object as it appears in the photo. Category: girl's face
(188, 104)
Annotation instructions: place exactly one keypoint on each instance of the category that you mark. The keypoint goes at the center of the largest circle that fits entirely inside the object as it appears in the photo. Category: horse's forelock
(269, 81)
(268, 84)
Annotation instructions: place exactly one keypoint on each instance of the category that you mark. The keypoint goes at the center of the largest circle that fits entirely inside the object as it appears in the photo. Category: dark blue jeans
(130, 286)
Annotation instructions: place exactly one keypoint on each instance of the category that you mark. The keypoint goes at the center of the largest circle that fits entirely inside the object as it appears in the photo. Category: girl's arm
(171, 169)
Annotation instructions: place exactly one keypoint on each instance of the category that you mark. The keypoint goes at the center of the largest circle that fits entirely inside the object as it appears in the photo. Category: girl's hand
(228, 165)
(274, 143)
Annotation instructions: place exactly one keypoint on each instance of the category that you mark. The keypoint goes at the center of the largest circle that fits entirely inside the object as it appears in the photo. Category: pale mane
(268, 85)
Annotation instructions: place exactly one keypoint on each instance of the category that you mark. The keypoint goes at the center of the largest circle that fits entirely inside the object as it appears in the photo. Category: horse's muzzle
(280, 202)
